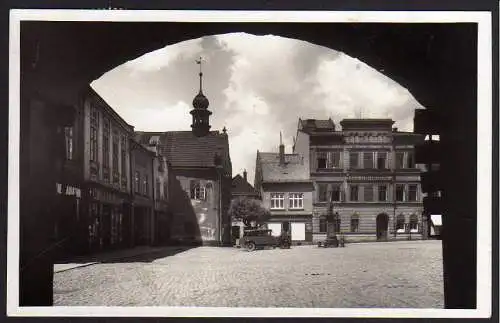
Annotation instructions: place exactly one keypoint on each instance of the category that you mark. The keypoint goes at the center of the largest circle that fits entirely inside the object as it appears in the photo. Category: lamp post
(331, 237)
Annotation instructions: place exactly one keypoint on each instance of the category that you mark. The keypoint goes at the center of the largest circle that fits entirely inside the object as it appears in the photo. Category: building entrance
(382, 225)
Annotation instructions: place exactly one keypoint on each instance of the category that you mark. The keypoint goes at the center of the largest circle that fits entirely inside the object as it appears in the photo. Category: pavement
(406, 274)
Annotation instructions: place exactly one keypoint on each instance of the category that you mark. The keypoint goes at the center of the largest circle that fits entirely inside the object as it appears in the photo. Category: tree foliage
(248, 210)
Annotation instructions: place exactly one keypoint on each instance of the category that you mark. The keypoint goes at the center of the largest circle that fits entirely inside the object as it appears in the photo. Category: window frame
(339, 190)
(410, 192)
(379, 192)
(351, 164)
(323, 224)
(319, 195)
(106, 134)
(198, 192)
(280, 198)
(137, 179)
(403, 199)
(69, 142)
(94, 134)
(297, 198)
(369, 153)
(384, 154)
(368, 188)
(351, 187)
(354, 219)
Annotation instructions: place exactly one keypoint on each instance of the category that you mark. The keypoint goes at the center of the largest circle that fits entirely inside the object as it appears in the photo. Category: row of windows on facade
(118, 141)
(142, 187)
(371, 160)
(401, 225)
(404, 193)
(296, 200)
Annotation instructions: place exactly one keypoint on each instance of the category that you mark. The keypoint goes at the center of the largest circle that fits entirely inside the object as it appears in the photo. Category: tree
(248, 210)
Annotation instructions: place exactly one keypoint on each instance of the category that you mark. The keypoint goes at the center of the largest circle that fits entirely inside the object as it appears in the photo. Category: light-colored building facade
(287, 191)
(368, 170)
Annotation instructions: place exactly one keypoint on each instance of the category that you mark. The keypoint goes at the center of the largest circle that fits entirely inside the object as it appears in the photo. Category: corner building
(368, 170)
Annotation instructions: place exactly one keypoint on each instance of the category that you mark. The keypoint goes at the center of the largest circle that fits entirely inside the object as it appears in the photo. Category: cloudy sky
(257, 86)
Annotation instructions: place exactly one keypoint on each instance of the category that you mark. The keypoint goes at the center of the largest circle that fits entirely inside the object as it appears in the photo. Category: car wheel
(251, 246)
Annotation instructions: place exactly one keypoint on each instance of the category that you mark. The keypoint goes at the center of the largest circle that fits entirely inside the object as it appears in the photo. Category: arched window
(400, 223)
(354, 223)
(413, 223)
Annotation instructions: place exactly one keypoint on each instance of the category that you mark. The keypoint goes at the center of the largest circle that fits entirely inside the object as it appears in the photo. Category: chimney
(245, 175)
(282, 151)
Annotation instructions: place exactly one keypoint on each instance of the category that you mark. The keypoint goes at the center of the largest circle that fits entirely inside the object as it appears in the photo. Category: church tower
(200, 113)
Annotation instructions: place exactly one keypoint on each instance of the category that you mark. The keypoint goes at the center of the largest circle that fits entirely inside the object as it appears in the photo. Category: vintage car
(261, 238)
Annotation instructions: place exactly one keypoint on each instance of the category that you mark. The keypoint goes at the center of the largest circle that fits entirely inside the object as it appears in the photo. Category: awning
(436, 219)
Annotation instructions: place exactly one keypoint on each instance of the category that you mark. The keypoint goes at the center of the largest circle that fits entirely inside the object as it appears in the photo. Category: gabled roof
(241, 187)
(317, 125)
(293, 170)
(184, 149)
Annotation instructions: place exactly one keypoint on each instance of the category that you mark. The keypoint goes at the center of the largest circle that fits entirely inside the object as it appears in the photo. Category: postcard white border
(484, 166)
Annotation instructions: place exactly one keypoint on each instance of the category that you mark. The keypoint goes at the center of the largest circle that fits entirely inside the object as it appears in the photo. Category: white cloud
(158, 59)
(257, 87)
(174, 118)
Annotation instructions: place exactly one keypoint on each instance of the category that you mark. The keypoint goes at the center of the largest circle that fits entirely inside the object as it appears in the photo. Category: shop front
(67, 215)
(108, 219)
(299, 228)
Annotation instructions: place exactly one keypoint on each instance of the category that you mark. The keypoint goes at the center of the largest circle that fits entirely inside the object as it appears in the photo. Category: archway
(382, 225)
(56, 64)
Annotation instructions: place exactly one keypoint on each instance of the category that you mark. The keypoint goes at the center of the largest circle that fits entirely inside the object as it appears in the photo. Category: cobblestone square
(404, 274)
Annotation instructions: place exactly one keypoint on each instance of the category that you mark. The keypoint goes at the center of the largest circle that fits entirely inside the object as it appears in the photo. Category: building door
(382, 225)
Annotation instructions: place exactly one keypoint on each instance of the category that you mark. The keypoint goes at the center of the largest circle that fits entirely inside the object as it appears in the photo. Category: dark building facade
(241, 189)
(368, 170)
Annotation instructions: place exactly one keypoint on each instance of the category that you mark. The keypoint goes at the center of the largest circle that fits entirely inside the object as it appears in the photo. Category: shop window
(400, 223)
(413, 223)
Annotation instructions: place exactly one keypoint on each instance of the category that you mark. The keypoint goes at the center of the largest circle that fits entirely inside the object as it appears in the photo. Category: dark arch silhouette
(437, 63)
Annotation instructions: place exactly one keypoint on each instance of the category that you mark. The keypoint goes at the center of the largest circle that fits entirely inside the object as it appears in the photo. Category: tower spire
(199, 62)
(200, 113)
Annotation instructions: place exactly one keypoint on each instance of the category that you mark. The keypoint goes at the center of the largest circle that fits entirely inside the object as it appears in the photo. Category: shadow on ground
(146, 254)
